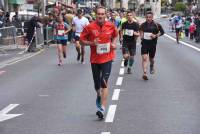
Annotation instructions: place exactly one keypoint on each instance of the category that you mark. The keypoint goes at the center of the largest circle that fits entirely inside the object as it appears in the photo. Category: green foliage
(163, 2)
(180, 6)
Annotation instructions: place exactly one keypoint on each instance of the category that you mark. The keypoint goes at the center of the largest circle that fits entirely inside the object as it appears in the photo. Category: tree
(180, 6)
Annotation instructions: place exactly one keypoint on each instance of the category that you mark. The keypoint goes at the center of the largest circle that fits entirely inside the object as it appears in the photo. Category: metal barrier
(39, 36)
(7, 38)
(44, 35)
(12, 37)
(48, 34)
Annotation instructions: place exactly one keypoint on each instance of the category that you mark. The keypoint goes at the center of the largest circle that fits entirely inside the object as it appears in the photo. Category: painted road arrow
(3, 113)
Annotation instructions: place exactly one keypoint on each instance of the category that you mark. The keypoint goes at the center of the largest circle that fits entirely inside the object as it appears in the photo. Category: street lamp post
(44, 2)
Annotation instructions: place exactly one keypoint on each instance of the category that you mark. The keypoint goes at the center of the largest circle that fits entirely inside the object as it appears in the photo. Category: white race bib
(147, 36)
(103, 48)
(128, 32)
(78, 34)
(61, 32)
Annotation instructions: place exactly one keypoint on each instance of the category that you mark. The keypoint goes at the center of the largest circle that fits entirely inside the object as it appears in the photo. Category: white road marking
(3, 113)
(22, 52)
(119, 81)
(116, 94)
(4, 54)
(122, 65)
(105, 133)
(121, 72)
(1, 72)
(43, 95)
(184, 43)
(111, 113)
(18, 59)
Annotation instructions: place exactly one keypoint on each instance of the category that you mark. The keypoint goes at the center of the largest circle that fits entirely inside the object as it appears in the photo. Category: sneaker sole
(100, 115)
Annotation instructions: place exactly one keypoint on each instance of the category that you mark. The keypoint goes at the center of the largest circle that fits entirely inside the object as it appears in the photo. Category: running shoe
(100, 113)
(60, 63)
(152, 70)
(145, 77)
(125, 63)
(82, 61)
(64, 55)
(129, 71)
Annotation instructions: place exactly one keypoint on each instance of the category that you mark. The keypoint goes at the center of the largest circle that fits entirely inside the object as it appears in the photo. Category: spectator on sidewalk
(187, 25)
(32, 24)
(192, 29)
(17, 23)
(7, 20)
(1, 18)
(197, 23)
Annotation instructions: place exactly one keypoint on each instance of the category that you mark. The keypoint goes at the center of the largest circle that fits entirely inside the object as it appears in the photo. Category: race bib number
(128, 32)
(61, 32)
(147, 36)
(103, 48)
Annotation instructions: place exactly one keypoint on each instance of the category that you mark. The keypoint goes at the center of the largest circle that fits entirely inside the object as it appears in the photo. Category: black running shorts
(149, 49)
(77, 38)
(129, 48)
(101, 73)
(62, 42)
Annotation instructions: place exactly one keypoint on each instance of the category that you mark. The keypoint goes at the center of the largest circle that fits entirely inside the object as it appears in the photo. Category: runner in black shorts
(150, 31)
(129, 34)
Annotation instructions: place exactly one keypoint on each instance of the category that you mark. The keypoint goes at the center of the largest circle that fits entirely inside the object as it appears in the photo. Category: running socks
(131, 61)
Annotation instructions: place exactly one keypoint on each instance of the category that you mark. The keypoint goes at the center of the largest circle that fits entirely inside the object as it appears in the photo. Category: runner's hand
(136, 33)
(153, 36)
(96, 41)
(113, 46)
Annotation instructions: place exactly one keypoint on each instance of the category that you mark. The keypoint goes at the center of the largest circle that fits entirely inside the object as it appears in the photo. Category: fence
(12, 37)
(7, 36)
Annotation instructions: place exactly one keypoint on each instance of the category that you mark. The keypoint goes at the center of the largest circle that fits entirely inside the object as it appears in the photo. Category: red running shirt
(105, 34)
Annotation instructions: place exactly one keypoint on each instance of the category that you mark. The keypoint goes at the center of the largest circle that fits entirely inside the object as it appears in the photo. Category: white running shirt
(79, 24)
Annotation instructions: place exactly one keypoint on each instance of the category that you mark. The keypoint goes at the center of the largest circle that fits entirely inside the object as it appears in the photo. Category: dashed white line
(111, 113)
(122, 65)
(121, 72)
(119, 81)
(105, 133)
(184, 43)
(43, 95)
(116, 94)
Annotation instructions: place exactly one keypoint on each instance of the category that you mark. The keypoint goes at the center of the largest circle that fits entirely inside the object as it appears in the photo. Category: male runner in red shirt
(101, 36)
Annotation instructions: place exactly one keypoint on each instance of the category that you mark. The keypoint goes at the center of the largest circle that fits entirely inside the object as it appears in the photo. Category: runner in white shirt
(78, 23)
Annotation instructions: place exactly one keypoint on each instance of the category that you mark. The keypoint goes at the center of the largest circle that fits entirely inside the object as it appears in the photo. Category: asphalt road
(61, 100)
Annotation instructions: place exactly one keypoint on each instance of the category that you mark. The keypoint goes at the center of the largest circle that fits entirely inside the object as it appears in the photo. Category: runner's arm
(161, 31)
(141, 30)
(84, 38)
(68, 29)
(136, 31)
